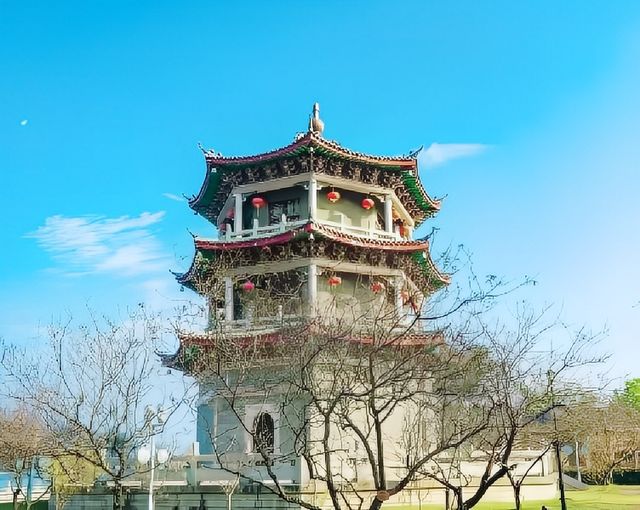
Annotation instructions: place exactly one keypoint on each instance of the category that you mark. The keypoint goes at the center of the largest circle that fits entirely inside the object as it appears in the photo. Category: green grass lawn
(614, 497)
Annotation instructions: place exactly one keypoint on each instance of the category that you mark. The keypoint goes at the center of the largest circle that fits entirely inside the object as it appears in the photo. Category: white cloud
(96, 244)
(439, 153)
(24, 122)
(171, 196)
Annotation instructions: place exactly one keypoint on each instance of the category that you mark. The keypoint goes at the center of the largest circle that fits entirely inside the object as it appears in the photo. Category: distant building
(38, 489)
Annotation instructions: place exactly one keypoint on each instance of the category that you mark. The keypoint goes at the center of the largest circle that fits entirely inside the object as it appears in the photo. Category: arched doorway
(263, 437)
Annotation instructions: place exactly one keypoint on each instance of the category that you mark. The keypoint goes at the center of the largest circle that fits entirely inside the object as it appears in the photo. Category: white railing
(257, 231)
(371, 233)
(391, 325)
(254, 324)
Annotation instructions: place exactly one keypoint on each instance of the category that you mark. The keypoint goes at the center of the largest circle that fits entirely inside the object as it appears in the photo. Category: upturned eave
(208, 202)
(418, 251)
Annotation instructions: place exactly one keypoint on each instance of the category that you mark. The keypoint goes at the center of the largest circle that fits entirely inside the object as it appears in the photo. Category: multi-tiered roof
(311, 153)
(298, 224)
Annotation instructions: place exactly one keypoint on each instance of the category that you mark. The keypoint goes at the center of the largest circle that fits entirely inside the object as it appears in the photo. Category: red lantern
(367, 203)
(248, 286)
(377, 287)
(258, 202)
(333, 196)
(334, 281)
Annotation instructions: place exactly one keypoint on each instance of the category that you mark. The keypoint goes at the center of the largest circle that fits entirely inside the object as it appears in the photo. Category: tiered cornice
(313, 154)
(196, 347)
(315, 241)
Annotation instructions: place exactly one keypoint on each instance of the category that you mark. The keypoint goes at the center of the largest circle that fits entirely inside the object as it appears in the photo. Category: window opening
(264, 433)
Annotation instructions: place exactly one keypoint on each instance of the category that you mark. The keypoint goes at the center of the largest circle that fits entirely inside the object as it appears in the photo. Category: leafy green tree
(631, 393)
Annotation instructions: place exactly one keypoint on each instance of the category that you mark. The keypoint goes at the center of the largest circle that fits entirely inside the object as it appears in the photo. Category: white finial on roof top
(315, 122)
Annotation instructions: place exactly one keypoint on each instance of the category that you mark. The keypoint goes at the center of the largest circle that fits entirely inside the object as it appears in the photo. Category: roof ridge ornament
(414, 154)
(207, 152)
(316, 125)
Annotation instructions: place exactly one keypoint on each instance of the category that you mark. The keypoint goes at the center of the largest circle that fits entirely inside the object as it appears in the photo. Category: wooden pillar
(313, 198)
(237, 218)
(228, 299)
(388, 214)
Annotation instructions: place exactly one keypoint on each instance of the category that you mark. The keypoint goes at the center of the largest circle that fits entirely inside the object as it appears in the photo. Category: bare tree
(337, 394)
(22, 443)
(359, 392)
(89, 388)
(371, 403)
(413, 406)
(517, 480)
(524, 384)
(610, 428)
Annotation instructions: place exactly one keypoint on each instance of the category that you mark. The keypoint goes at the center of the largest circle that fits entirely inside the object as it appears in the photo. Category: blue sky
(529, 110)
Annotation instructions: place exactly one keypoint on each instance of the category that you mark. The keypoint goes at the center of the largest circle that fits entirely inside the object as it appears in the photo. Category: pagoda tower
(311, 233)
(306, 223)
